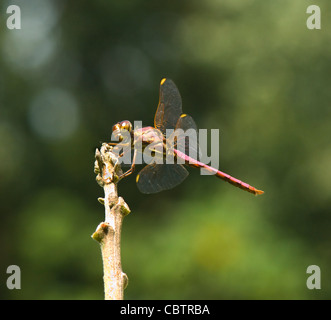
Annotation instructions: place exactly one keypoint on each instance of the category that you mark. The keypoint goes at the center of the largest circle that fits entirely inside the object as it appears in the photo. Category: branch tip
(108, 233)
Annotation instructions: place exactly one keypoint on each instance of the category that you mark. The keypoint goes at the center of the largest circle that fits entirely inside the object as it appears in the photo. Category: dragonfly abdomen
(238, 183)
(224, 176)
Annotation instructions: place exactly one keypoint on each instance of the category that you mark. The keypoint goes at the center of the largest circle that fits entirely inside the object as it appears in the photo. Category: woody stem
(108, 233)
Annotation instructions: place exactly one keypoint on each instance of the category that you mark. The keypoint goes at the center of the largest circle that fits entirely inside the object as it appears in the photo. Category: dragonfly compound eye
(126, 125)
(117, 132)
(116, 127)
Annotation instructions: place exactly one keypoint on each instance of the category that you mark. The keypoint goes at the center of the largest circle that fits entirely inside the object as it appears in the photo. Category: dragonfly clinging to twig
(156, 177)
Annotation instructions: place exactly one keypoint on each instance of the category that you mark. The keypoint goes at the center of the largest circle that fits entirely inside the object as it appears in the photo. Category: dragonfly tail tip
(258, 192)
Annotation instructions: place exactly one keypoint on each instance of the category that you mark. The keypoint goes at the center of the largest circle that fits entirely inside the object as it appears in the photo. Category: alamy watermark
(314, 20)
(314, 281)
(176, 146)
(14, 19)
(14, 280)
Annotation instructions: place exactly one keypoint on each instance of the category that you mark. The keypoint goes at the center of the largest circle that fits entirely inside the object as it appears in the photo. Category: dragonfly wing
(186, 122)
(169, 108)
(158, 177)
(186, 139)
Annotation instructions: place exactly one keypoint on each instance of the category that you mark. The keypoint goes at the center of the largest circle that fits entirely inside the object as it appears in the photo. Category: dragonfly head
(120, 127)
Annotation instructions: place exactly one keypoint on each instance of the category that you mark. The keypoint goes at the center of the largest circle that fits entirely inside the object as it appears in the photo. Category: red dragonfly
(156, 177)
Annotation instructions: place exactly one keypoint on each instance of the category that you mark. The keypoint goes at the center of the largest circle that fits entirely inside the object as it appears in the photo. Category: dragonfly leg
(127, 173)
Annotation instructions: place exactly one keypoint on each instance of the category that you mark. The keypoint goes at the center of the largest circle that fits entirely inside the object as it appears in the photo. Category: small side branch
(108, 233)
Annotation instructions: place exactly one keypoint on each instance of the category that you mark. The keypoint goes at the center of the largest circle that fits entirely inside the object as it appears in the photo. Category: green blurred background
(250, 68)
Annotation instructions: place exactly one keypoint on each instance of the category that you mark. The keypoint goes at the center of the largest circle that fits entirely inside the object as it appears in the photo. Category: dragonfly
(156, 177)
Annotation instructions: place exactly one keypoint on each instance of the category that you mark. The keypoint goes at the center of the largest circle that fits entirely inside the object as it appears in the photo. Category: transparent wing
(185, 137)
(158, 177)
(169, 108)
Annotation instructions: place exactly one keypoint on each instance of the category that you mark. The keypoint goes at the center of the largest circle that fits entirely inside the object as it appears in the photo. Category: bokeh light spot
(53, 114)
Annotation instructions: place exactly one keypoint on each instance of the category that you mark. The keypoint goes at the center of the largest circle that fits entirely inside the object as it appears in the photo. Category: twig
(108, 233)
